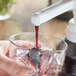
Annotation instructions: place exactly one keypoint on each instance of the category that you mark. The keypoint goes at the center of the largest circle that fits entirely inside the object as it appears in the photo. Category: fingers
(8, 65)
(25, 44)
(4, 45)
(3, 73)
(12, 67)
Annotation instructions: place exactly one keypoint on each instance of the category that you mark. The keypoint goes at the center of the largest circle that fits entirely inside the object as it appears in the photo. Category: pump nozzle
(51, 11)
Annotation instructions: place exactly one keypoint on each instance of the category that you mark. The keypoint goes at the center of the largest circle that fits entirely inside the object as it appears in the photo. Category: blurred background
(19, 19)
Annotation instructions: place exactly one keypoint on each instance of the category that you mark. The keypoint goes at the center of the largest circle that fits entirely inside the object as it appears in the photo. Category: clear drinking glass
(46, 61)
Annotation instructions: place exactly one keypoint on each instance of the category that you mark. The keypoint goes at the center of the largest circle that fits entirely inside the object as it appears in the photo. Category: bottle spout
(52, 11)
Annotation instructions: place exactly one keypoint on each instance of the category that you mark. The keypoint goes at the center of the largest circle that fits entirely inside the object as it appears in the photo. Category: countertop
(53, 27)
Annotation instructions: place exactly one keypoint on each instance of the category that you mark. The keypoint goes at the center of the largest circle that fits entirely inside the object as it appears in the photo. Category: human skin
(9, 67)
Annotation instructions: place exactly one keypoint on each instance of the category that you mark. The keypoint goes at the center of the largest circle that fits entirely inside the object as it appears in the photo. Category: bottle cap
(71, 31)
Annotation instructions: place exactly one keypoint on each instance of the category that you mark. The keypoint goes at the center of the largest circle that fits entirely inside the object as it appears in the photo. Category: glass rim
(11, 39)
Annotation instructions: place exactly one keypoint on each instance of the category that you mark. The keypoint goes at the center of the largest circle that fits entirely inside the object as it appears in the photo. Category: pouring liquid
(36, 36)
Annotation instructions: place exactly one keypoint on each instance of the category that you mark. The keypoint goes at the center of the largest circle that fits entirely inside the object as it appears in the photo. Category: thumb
(12, 67)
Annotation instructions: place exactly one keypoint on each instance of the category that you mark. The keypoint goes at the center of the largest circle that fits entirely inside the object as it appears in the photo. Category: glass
(45, 61)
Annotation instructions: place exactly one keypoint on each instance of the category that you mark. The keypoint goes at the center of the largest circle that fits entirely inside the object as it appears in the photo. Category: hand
(8, 67)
